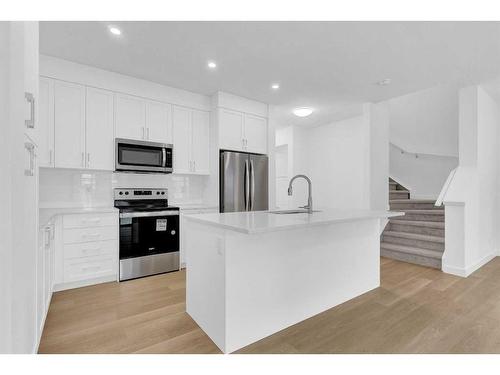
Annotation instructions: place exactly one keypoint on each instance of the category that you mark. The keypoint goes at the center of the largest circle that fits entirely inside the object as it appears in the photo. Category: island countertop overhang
(265, 221)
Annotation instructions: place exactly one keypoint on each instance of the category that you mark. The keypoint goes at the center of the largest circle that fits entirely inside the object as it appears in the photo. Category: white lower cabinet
(87, 249)
(45, 274)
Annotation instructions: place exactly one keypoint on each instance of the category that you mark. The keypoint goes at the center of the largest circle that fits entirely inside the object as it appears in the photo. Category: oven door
(140, 156)
(148, 233)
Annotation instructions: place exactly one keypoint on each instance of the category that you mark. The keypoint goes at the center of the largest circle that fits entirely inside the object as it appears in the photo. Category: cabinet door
(46, 123)
(158, 122)
(99, 129)
(200, 125)
(69, 120)
(130, 115)
(255, 134)
(230, 130)
(181, 120)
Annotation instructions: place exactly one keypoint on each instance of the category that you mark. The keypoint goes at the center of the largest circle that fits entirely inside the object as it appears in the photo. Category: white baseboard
(80, 284)
(465, 272)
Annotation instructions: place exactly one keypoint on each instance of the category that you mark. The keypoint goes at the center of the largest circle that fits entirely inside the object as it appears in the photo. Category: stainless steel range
(149, 232)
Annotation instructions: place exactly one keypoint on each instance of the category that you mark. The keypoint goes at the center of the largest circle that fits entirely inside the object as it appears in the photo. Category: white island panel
(244, 287)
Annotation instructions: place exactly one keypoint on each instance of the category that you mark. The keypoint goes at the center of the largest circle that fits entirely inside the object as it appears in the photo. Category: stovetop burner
(132, 200)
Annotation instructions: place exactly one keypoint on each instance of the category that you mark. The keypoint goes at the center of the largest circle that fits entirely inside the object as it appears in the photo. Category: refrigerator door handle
(252, 185)
(247, 187)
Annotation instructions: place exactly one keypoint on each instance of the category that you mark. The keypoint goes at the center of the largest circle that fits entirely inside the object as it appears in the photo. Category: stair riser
(415, 259)
(417, 230)
(402, 195)
(429, 245)
(421, 217)
(414, 206)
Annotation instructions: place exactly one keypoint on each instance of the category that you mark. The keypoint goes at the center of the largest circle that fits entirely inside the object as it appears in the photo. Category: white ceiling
(330, 66)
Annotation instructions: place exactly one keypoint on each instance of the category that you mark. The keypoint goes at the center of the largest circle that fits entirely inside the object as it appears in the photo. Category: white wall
(424, 139)
(337, 155)
(79, 188)
(472, 202)
(5, 196)
(347, 161)
(424, 175)
(426, 121)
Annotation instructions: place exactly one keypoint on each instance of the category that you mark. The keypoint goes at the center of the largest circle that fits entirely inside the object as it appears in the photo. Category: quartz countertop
(46, 214)
(266, 221)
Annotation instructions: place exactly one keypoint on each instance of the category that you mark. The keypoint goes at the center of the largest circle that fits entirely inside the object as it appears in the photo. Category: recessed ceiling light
(114, 30)
(275, 86)
(384, 82)
(302, 112)
(212, 64)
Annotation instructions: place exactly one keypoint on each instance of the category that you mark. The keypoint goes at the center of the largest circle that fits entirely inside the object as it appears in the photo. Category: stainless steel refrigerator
(244, 182)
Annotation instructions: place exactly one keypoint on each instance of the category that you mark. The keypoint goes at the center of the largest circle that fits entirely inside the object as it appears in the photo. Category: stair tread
(423, 223)
(412, 201)
(414, 236)
(426, 212)
(399, 191)
(412, 250)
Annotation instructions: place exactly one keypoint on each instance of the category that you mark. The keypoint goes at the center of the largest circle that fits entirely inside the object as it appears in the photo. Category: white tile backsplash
(76, 188)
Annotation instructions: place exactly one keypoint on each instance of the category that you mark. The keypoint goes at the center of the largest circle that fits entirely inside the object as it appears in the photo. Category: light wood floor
(416, 310)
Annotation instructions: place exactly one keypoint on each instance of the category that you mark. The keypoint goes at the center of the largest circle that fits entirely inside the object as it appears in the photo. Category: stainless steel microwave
(143, 156)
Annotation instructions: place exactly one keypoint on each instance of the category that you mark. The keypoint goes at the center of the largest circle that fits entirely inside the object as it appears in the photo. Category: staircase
(418, 236)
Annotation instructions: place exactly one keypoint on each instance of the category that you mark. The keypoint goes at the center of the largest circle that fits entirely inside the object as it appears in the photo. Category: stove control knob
(121, 193)
(157, 193)
(126, 193)
(172, 232)
(162, 193)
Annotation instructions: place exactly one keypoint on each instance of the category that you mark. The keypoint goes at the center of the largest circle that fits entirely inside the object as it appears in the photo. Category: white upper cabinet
(255, 134)
(200, 150)
(158, 122)
(69, 120)
(231, 130)
(99, 129)
(130, 117)
(181, 120)
(191, 130)
(46, 123)
(142, 119)
(242, 132)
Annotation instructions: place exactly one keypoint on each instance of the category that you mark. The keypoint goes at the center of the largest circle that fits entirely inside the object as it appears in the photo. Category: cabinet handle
(83, 159)
(31, 100)
(194, 166)
(31, 149)
(147, 133)
(88, 159)
(142, 132)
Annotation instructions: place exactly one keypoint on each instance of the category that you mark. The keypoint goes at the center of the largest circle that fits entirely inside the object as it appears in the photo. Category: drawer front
(89, 268)
(89, 220)
(80, 235)
(88, 249)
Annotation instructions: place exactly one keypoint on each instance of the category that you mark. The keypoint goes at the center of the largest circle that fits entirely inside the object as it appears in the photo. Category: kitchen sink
(287, 212)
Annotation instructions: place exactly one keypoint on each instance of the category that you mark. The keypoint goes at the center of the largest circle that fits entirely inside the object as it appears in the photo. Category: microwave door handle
(164, 156)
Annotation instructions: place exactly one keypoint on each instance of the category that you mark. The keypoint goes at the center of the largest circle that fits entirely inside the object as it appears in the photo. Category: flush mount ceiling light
(212, 64)
(114, 30)
(302, 112)
(384, 82)
(275, 86)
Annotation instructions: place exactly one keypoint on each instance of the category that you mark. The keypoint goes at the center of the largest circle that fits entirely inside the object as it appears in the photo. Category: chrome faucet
(309, 206)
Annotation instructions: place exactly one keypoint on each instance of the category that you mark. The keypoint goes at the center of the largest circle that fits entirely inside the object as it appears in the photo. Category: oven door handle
(125, 215)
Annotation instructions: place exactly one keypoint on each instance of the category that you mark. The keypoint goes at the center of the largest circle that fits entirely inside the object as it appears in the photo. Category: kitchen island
(251, 274)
